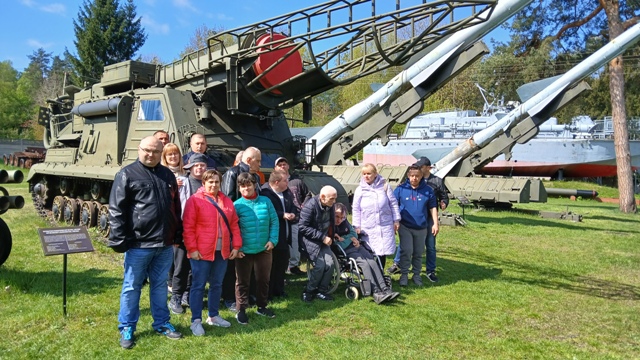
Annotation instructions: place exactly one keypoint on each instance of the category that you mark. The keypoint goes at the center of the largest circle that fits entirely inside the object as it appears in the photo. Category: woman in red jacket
(211, 236)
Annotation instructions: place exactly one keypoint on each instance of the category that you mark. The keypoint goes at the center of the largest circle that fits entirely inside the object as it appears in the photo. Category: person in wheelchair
(347, 239)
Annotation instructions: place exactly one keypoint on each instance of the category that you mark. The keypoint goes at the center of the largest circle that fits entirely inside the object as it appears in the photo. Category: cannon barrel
(572, 192)
(13, 176)
(8, 202)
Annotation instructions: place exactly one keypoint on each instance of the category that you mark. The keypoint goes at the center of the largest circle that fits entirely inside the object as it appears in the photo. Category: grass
(513, 286)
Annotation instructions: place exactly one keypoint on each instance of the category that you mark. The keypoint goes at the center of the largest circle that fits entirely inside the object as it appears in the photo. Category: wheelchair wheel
(352, 293)
(335, 276)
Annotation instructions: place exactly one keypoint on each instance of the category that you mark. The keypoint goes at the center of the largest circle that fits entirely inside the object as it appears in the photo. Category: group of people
(178, 215)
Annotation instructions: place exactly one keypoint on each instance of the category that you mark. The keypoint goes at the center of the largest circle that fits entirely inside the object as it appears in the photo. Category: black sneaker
(325, 297)
(394, 269)
(296, 271)
(432, 277)
(307, 297)
(169, 331)
(127, 339)
(185, 300)
(175, 306)
(265, 312)
(242, 317)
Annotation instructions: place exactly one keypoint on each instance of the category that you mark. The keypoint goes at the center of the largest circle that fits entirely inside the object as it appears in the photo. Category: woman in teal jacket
(259, 228)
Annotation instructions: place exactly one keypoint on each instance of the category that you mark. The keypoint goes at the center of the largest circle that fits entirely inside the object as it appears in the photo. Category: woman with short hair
(375, 212)
(211, 236)
(259, 228)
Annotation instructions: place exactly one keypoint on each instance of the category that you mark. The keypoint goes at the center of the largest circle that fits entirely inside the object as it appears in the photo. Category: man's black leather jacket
(144, 208)
(229, 184)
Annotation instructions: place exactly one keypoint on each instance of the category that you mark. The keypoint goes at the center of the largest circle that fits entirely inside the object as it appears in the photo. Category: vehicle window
(150, 110)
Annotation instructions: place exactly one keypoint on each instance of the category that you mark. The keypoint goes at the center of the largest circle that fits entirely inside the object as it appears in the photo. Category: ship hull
(538, 157)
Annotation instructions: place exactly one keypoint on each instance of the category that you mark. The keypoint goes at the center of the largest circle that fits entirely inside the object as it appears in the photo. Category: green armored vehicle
(234, 91)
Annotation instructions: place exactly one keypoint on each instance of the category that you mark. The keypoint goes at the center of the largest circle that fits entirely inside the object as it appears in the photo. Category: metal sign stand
(63, 241)
(64, 285)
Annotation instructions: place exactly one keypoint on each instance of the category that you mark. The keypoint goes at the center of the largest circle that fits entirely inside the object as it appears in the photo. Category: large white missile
(415, 74)
(538, 102)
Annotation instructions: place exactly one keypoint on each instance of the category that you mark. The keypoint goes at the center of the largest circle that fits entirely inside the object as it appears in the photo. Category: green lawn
(513, 286)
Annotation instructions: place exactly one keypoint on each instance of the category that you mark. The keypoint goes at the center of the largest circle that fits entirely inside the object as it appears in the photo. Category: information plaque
(65, 240)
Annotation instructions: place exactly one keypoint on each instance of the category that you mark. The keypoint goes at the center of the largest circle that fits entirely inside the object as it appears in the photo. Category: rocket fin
(426, 73)
(445, 170)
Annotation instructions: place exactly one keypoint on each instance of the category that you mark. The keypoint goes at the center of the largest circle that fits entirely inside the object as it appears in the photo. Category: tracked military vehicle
(234, 91)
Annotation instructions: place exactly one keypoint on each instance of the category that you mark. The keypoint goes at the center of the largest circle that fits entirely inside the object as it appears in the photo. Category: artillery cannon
(234, 91)
(8, 202)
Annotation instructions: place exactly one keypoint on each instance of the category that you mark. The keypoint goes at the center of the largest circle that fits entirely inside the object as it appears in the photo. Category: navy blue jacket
(415, 204)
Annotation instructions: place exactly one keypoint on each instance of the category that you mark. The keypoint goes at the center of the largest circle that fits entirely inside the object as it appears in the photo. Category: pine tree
(106, 33)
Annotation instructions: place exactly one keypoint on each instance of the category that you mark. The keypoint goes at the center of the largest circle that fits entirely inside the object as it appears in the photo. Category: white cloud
(54, 8)
(153, 26)
(37, 44)
(185, 4)
(223, 17)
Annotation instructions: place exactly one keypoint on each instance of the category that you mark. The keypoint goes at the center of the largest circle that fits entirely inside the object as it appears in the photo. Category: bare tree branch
(579, 22)
(630, 22)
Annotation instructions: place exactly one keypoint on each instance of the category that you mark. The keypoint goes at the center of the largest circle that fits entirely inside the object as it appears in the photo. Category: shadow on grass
(450, 272)
(608, 218)
(453, 271)
(545, 277)
(89, 281)
(287, 309)
(534, 221)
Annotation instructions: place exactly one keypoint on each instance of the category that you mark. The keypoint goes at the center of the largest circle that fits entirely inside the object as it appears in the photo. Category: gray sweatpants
(411, 249)
(320, 276)
(369, 266)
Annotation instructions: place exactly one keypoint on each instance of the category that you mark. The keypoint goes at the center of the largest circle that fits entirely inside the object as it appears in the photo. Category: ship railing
(603, 128)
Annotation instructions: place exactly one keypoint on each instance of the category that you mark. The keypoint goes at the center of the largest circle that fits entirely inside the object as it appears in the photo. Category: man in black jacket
(251, 161)
(144, 218)
(301, 194)
(278, 192)
(316, 226)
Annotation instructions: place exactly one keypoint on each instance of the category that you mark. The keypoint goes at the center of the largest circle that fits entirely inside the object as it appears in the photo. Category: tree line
(546, 39)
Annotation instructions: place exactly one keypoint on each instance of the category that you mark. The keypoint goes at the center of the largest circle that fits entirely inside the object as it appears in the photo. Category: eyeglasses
(149, 151)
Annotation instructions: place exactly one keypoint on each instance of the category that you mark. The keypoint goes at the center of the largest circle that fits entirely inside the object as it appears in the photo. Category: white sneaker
(218, 321)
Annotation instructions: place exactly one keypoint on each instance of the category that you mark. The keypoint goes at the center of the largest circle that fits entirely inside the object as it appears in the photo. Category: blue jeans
(430, 244)
(138, 263)
(203, 271)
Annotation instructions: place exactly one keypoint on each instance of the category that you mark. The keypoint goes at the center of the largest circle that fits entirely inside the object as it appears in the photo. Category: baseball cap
(423, 161)
(196, 158)
(281, 158)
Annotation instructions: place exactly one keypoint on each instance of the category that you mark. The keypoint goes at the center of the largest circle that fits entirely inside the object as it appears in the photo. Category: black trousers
(181, 281)
(229, 282)
(279, 265)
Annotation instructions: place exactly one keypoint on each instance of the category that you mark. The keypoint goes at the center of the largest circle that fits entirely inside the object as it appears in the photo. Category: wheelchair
(351, 274)
(348, 272)
(335, 276)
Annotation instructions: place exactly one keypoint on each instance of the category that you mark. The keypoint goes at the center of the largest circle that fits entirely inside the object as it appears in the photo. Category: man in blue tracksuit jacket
(418, 206)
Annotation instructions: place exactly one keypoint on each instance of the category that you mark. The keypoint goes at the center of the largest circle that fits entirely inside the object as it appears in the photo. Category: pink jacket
(200, 223)
(374, 211)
